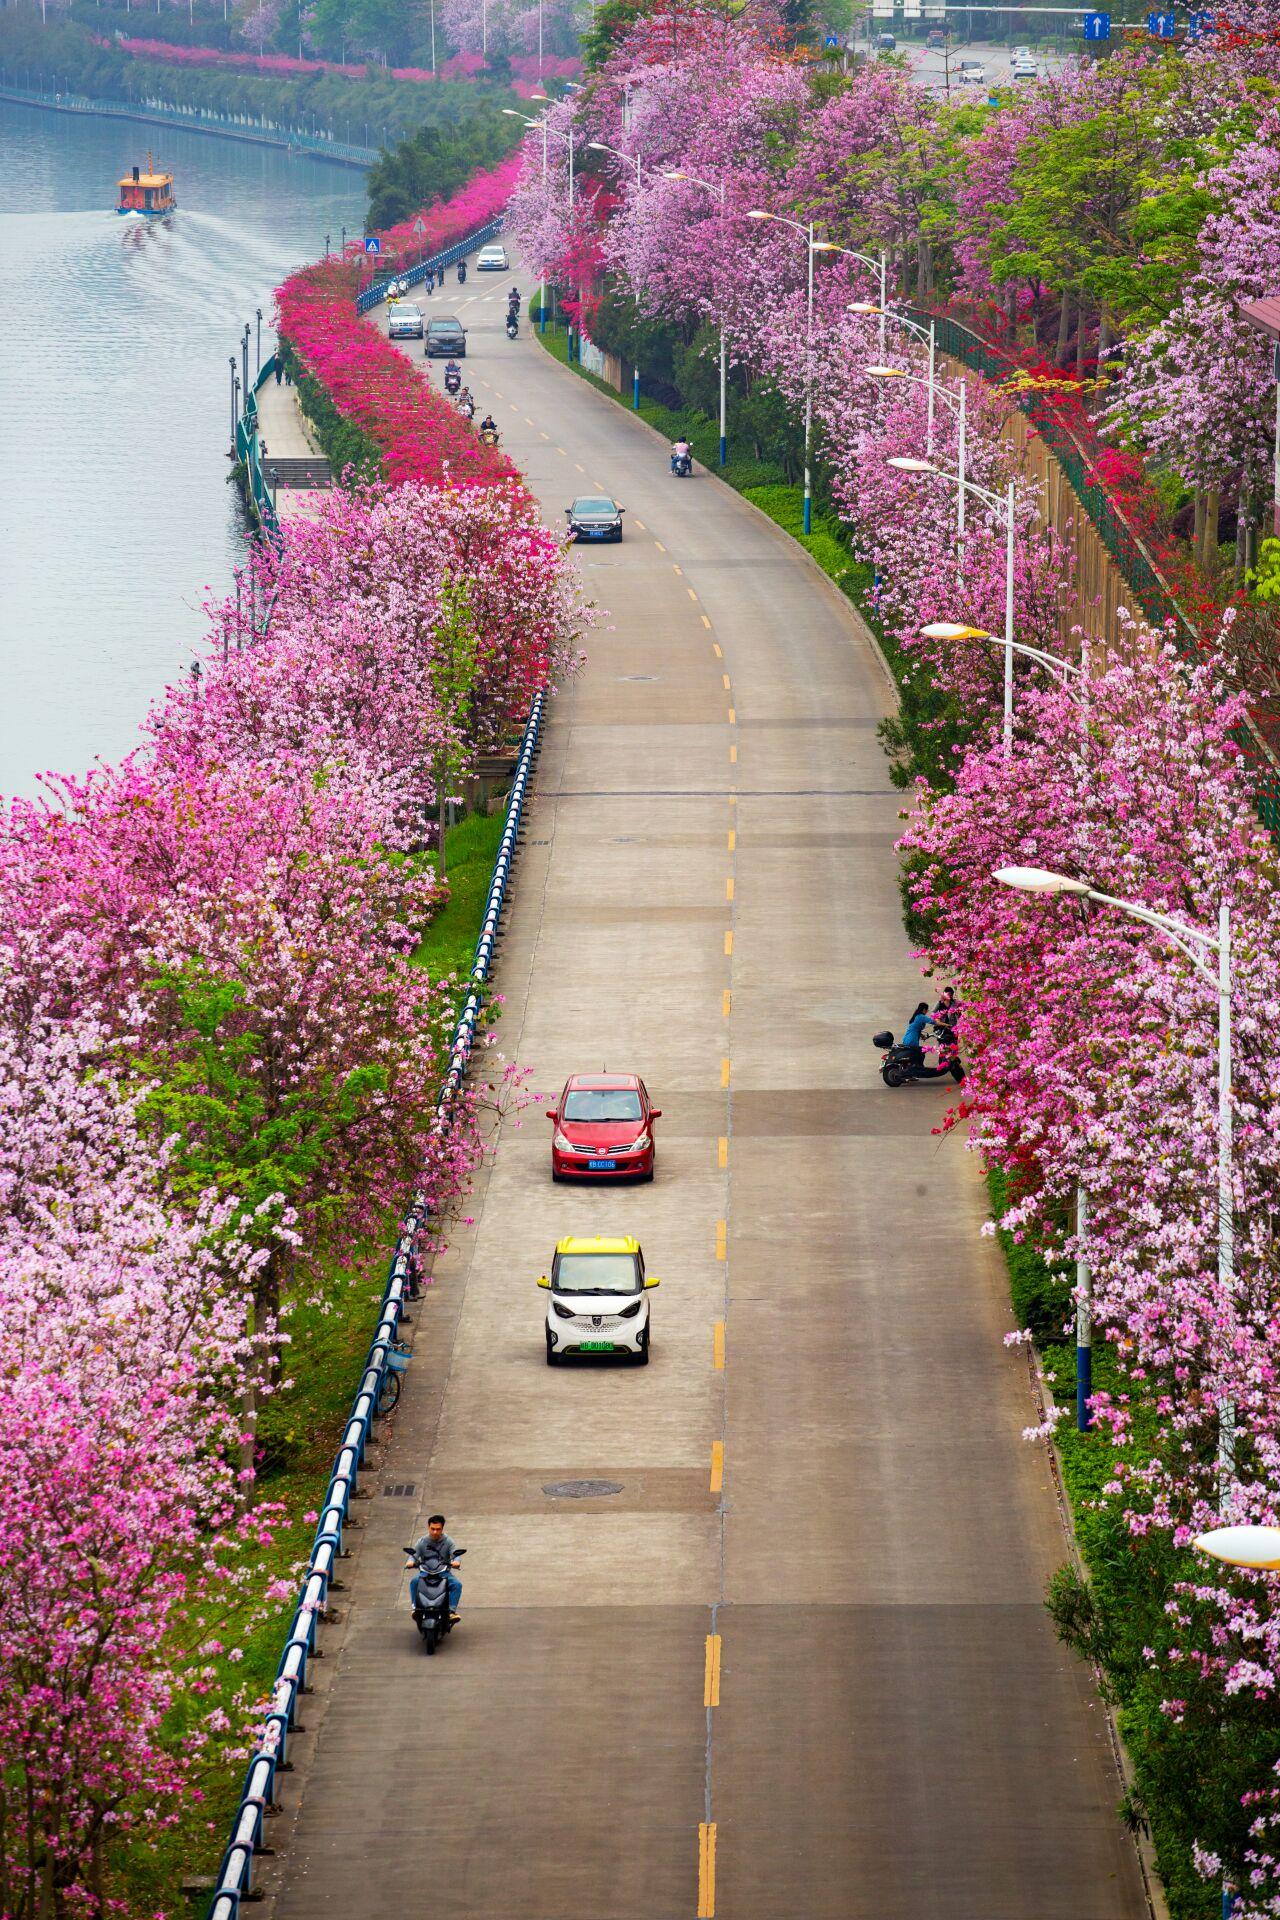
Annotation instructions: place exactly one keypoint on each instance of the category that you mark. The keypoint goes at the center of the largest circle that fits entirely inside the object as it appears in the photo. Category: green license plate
(597, 1346)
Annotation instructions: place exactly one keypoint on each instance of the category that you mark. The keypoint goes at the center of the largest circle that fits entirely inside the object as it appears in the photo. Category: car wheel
(641, 1356)
(558, 1178)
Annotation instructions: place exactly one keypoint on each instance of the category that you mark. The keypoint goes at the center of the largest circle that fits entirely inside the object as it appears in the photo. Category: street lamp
(541, 123)
(1197, 945)
(244, 354)
(1256, 1549)
(258, 311)
(812, 247)
(601, 147)
(718, 189)
(232, 364)
(1006, 513)
(960, 407)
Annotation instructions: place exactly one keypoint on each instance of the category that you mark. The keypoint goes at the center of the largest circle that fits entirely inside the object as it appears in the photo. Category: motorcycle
(901, 1064)
(462, 273)
(682, 465)
(488, 436)
(452, 377)
(513, 326)
(431, 1613)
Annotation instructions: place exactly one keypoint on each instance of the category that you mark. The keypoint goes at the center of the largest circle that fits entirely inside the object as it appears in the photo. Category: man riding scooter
(436, 1549)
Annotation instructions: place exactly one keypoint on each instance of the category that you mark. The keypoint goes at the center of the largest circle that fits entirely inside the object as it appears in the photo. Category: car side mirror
(621, 509)
(552, 1114)
(655, 1113)
(544, 1282)
(651, 1280)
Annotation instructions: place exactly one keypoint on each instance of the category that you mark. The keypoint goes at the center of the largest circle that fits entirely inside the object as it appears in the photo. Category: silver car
(404, 321)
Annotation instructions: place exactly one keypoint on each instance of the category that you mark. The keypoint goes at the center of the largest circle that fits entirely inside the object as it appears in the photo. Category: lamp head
(949, 630)
(824, 246)
(1039, 880)
(1257, 1548)
(758, 213)
(886, 373)
(904, 463)
(864, 306)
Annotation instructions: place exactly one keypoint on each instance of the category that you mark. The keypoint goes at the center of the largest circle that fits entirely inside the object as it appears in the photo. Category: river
(115, 512)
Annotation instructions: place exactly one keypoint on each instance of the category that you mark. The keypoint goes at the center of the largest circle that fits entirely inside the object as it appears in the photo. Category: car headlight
(563, 1145)
(629, 1313)
(638, 1146)
(564, 1313)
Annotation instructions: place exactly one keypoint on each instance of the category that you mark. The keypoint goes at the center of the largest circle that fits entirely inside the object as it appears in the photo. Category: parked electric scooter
(431, 1614)
(901, 1064)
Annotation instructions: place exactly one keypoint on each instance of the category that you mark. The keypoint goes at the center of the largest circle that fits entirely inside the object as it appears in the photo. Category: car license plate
(602, 1166)
(597, 1346)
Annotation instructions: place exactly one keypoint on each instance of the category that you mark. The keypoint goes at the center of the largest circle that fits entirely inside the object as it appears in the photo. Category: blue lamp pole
(709, 186)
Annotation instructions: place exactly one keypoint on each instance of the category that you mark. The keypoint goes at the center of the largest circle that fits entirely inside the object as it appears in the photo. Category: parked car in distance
(936, 38)
(492, 259)
(446, 338)
(595, 516)
(597, 1304)
(404, 321)
(971, 73)
(603, 1128)
(1024, 65)
(886, 42)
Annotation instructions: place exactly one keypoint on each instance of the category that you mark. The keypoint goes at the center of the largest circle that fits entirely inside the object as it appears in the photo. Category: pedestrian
(279, 370)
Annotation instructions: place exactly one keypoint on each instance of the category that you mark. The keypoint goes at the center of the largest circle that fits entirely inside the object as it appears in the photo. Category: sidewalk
(287, 436)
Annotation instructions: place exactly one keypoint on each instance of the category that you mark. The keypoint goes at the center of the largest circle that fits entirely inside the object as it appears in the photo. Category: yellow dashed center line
(728, 941)
(728, 888)
(561, 451)
(722, 1152)
(689, 590)
(722, 1240)
(497, 395)
(578, 468)
(711, 1677)
(717, 1466)
(717, 1352)
(724, 1073)
(657, 543)
(642, 527)
(707, 1870)
(726, 1004)
(528, 422)
(725, 680)
(542, 435)
(733, 756)
(715, 648)
(706, 622)
(733, 839)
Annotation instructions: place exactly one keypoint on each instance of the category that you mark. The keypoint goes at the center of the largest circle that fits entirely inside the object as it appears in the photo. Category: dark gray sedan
(594, 516)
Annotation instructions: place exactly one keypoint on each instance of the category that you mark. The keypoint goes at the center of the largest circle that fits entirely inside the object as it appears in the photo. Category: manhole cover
(582, 1489)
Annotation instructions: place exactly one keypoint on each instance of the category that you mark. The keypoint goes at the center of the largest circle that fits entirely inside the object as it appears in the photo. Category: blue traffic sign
(1198, 23)
(831, 40)
(1097, 26)
(1163, 25)
(372, 244)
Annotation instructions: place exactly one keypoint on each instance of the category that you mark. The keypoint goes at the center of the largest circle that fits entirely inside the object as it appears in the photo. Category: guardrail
(235, 1877)
(258, 133)
(414, 275)
(247, 444)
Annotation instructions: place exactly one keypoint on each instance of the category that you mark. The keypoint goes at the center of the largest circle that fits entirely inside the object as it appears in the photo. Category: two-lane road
(797, 1662)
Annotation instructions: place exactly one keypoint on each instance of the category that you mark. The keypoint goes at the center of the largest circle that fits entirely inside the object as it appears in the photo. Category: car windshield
(595, 1273)
(594, 506)
(602, 1103)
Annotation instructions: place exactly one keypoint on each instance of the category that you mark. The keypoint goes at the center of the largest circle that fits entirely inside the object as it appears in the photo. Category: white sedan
(492, 259)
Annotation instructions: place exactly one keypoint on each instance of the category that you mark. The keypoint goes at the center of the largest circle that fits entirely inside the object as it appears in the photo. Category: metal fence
(231, 126)
(247, 448)
(413, 276)
(257, 1796)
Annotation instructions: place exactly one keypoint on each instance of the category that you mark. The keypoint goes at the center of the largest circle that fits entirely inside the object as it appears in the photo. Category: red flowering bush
(483, 197)
(373, 385)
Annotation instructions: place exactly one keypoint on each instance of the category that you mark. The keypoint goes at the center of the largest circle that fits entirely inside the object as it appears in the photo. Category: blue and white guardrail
(413, 276)
(235, 1876)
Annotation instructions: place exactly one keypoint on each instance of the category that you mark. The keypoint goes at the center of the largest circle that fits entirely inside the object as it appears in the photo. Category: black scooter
(682, 465)
(513, 326)
(452, 377)
(462, 273)
(431, 1608)
(901, 1064)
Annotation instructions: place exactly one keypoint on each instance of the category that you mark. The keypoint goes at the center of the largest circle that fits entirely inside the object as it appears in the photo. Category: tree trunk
(1242, 534)
(442, 781)
(1081, 337)
(1213, 508)
(1064, 330)
(1013, 313)
(1197, 533)
(1104, 339)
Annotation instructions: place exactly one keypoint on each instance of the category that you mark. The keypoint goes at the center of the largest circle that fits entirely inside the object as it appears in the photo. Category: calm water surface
(115, 512)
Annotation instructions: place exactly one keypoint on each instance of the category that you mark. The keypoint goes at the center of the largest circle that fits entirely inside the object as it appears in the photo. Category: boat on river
(146, 192)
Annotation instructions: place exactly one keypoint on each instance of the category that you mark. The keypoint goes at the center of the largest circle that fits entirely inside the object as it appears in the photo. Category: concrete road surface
(795, 1665)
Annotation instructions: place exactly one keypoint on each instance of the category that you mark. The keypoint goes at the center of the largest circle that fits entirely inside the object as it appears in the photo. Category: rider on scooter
(436, 1549)
(680, 452)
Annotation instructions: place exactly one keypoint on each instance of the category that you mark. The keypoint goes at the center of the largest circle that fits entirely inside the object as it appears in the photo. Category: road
(930, 69)
(797, 1664)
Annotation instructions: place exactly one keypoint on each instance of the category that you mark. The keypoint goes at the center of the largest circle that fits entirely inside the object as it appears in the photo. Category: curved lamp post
(1006, 512)
(709, 186)
(1197, 945)
(812, 248)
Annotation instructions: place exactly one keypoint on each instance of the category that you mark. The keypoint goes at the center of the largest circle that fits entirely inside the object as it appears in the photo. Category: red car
(603, 1129)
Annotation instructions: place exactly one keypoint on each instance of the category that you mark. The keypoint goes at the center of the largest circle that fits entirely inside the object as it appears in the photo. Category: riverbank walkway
(286, 435)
